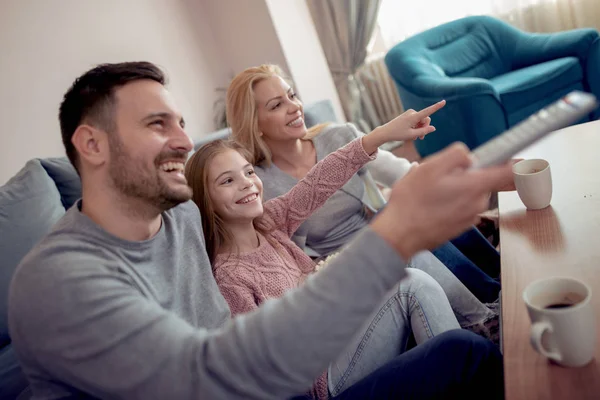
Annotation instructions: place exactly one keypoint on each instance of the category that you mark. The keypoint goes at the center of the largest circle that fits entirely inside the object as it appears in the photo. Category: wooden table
(561, 240)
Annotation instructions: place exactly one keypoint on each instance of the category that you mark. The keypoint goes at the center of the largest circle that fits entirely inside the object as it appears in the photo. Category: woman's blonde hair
(216, 233)
(242, 112)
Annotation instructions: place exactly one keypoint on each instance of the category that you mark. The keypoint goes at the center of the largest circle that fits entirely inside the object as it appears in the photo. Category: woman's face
(280, 112)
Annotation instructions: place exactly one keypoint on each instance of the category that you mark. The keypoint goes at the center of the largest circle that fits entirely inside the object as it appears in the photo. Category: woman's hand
(409, 125)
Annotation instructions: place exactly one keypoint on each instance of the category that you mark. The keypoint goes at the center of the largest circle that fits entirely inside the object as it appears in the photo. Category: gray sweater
(92, 315)
(344, 214)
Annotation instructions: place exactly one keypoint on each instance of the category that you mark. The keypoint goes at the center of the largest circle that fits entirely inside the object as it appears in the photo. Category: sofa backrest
(30, 203)
(479, 47)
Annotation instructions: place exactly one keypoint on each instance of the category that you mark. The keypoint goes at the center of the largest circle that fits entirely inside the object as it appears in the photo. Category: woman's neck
(294, 157)
(244, 237)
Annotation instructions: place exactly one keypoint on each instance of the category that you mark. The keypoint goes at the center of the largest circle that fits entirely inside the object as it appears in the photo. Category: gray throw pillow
(319, 113)
(30, 205)
(65, 178)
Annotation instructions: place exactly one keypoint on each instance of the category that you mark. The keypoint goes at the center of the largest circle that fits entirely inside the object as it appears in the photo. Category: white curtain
(345, 28)
(399, 20)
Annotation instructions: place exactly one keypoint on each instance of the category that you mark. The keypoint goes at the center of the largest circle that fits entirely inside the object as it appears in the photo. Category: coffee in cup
(563, 326)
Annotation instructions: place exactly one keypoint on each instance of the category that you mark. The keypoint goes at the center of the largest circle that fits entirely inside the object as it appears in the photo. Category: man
(118, 301)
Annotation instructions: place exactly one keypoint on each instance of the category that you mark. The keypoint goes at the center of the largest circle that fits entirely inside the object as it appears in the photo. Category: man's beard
(131, 178)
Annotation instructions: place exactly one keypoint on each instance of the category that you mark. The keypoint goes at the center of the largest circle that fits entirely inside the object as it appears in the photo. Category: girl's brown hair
(196, 172)
(242, 113)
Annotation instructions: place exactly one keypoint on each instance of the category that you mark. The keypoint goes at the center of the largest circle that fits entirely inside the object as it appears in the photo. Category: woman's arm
(388, 168)
(287, 212)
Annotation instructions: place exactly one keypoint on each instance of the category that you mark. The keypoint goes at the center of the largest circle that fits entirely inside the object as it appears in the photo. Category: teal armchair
(491, 74)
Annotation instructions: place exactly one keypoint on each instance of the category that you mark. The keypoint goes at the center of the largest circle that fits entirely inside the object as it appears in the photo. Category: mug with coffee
(563, 322)
(533, 182)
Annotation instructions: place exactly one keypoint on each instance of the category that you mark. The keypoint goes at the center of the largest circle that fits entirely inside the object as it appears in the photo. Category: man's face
(149, 147)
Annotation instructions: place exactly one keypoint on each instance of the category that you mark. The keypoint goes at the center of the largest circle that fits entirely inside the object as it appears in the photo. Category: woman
(267, 117)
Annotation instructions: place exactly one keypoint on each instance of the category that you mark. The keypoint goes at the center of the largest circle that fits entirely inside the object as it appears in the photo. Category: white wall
(254, 32)
(244, 33)
(46, 44)
(304, 54)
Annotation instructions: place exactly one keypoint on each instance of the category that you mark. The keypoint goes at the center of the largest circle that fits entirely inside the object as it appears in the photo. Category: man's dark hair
(91, 98)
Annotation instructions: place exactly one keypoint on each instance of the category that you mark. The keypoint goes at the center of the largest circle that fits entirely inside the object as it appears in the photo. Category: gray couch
(30, 203)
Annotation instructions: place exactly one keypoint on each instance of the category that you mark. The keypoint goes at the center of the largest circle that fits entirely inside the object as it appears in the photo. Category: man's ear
(91, 144)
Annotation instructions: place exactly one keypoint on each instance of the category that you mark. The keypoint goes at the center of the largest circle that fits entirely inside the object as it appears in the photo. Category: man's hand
(437, 201)
(511, 185)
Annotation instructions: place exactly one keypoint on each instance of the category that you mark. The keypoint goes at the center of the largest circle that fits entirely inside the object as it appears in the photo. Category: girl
(283, 154)
(254, 258)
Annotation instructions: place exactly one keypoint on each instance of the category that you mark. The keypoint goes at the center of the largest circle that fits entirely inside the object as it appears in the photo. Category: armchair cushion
(534, 48)
(527, 85)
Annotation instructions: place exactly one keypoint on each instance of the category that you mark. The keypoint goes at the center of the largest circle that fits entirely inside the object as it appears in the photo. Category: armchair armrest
(473, 113)
(534, 48)
(453, 88)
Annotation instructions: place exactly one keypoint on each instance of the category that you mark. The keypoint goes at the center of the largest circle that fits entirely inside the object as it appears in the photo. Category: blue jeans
(468, 256)
(417, 305)
(474, 261)
(453, 365)
(479, 250)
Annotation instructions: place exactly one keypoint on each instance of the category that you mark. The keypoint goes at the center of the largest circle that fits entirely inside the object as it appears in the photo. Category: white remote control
(558, 115)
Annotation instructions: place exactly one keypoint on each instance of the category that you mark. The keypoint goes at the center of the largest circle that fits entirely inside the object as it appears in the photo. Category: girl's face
(280, 112)
(234, 189)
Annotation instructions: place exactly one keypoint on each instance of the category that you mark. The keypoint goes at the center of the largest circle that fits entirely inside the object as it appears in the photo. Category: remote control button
(565, 106)
(543, 114)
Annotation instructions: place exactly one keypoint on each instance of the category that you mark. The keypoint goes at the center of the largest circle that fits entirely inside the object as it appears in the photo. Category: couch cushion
(220, 134)
(65, 178)
(520, 88)
(29, 205)
(12, 380)
(318, 113)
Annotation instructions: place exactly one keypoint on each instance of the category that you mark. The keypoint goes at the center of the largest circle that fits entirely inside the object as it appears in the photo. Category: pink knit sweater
(277, 264)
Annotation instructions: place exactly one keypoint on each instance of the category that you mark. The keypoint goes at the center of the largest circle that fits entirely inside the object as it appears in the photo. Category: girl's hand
(409, 125)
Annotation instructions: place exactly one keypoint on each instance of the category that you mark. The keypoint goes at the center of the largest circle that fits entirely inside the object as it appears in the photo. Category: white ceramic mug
(534, 183)
(563, 326)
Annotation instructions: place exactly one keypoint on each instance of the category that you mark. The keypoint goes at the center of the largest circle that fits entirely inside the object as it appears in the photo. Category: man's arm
(93, 330)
